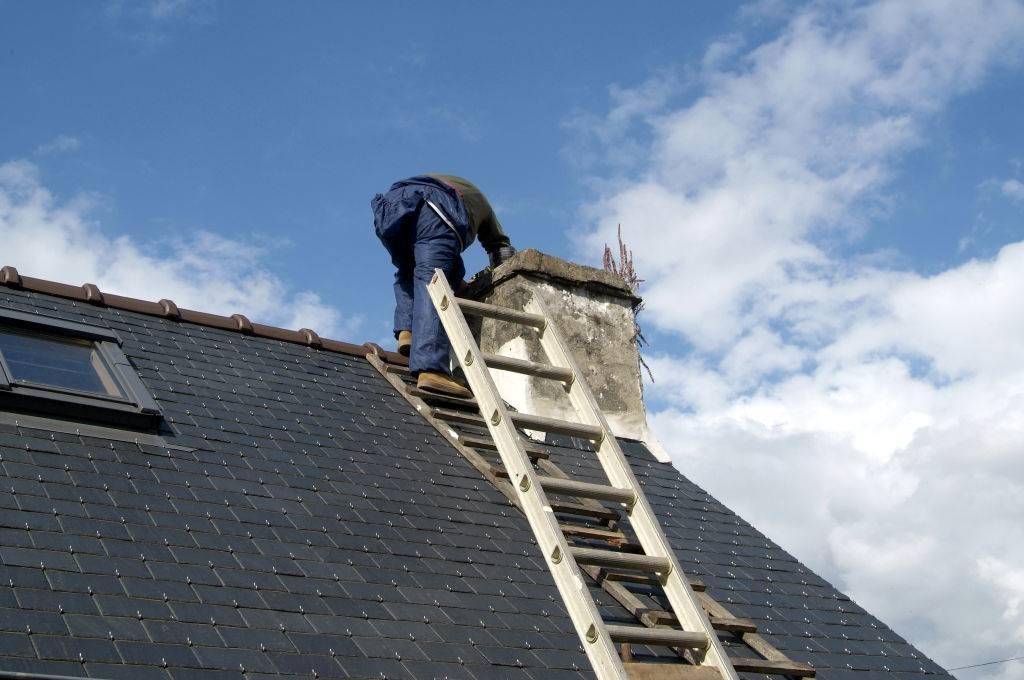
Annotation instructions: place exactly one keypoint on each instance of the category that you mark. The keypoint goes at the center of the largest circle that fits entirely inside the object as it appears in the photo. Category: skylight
(71, 370)
(58, 362)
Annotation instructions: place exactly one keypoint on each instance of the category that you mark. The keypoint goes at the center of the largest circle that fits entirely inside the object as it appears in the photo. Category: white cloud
(168, 9)
(194, 11)
(151, 24)
(47, 238)
(1013, 189)
(59, 144)
(890, 403)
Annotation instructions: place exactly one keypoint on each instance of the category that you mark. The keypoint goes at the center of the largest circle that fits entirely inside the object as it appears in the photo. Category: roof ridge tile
(90, 292)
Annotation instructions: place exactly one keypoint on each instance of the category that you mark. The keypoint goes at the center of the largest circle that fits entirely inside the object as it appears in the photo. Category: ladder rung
(658, 636)
(657, 616)
(593, 533)
(598, 492)
(556, 426)
(727, 624)
(695, 583)
(500, 471)
(620, 560)
(787, 667)
(475, 442)
(528, 367)
(639, 579)
(733, 625)
(454, 416)
(502, 313)
(414, 391)
(670, 671)
(585, 511)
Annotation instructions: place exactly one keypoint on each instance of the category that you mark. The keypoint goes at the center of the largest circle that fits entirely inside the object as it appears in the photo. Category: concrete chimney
(593, 310)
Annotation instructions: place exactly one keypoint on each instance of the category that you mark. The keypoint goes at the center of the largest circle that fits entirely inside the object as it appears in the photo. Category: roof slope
(307, 521)
(796, 610)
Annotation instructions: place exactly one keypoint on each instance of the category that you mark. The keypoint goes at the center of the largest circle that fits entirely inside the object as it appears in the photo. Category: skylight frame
(135, 409)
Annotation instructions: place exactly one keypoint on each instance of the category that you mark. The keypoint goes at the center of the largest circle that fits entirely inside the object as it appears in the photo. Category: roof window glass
(61, 362)
(71, 370)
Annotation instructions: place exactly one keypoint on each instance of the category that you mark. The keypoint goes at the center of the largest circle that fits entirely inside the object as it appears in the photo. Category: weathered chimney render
(593, 310)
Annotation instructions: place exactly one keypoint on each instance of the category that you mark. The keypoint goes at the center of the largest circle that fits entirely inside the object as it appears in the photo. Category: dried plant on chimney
(624, 268)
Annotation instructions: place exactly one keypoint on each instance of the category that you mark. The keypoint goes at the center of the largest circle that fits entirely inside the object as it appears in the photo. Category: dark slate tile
(418, 631)
(307, 665)
(331, 645)
(25, 577)
(232, 597)
(16, 644)
(182, 633)
(42, 667)
(155, 654)
(375, 668)
(346, 606)
(84, 583)
(201, 674)
(138, 608)
(8, 599)
(126, 672)
(63, 602)
(256, 638)
(389, 648)
(508, 656)
(451, 652)
(293, 602)
(106, 564)
(206, 613)
(30, 557)
(276, 620)
(183, 573)
(67, 542)
(429, 670)
(111, 627)
(74, 649)
(32, 621)
(240, 578)
(159, 590)
(233, 659)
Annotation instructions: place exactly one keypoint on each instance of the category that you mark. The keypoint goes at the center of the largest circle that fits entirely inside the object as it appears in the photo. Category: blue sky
(826, 200)
(279, 121)
(282, 120)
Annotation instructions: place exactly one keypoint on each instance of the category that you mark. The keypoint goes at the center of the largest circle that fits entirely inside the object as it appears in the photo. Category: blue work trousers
(419, 242)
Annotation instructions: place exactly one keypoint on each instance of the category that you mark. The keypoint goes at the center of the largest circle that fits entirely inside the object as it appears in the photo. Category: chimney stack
(593, 310)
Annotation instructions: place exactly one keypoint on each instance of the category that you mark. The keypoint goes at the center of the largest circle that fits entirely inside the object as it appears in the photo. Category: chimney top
(535, 264)
(593, 310)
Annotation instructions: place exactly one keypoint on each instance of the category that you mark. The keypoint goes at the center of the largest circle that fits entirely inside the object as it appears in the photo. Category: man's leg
(436, 247)
(395, 223)
(404, 265)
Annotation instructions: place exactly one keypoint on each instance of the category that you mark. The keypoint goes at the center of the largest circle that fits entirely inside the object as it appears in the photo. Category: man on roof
(425, 222)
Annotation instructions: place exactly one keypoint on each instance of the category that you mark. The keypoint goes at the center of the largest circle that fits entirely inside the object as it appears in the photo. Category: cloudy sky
(826, 201)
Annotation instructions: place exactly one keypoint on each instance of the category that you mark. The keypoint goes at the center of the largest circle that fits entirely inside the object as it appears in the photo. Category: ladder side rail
(576, 596)
(641, 516)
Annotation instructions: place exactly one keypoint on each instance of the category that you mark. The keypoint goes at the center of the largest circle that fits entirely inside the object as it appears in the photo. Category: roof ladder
(658, 560)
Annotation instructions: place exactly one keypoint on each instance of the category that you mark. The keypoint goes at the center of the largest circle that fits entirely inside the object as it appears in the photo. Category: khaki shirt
(483, 223)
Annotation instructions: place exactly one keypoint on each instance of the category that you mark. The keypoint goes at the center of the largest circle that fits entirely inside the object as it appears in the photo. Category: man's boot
(443, 384)
(404, 342)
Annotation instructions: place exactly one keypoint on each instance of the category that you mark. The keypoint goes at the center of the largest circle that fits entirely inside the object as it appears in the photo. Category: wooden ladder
(657, 560)
(589, 522)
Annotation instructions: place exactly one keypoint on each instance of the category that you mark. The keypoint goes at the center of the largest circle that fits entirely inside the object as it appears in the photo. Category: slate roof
(304, 520)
